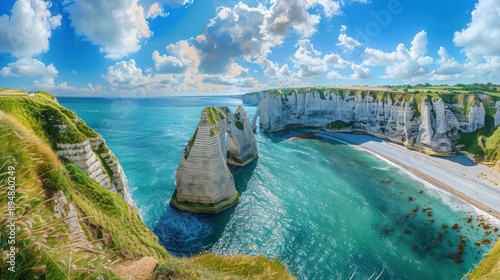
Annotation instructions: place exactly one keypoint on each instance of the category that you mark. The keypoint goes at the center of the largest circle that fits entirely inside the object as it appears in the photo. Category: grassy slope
(45, 249)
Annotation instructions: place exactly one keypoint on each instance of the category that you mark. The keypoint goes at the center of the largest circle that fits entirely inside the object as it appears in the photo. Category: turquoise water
(326, 210)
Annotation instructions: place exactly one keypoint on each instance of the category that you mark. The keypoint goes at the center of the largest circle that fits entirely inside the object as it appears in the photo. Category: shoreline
(469, 182)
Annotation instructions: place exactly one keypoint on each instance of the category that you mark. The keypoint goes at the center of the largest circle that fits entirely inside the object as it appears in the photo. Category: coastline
(475, 184)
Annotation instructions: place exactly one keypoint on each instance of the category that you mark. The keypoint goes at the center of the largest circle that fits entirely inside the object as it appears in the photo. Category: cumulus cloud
(334, 75)
(360, 72)
(284, 15)
(117, 26)
(345, 41)
(311, 63)
(308, 59)
(28, 67)
(155, 10)
(27, 30)
(482, 34)
(178, 3)
(232, 33)
(184, 58)
(125, 73)
(447, 65)
(402, 63)
(330, 7)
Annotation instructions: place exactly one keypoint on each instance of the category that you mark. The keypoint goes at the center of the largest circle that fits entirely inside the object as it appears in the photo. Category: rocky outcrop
(203, 180)
(241, 144)
(94, 158)
(430, 125)
(497, 113)
(118, 177)
(82, 155)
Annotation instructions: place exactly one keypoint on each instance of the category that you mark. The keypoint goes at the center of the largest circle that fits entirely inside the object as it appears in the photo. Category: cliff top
(214, 115)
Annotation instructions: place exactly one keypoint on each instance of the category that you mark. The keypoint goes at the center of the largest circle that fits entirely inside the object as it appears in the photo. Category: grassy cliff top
(214, 115)
(50, 121)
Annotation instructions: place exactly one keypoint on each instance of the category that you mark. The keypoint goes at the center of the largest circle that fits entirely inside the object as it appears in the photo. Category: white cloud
(447, 65)
(178, 3)
(117, 26)
(284, 15)
(347, 42)
(482, 34)
(330, 7)
(27, 30)
(402, 63)
(334, 75)
(308, 59)
(311, 63)
(184, 58)
(360, 72)
(154, 11)
(28, 67)
(231, 34)
(125, 73)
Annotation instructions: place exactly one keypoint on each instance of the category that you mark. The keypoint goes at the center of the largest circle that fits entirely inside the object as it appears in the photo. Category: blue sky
(161, 47)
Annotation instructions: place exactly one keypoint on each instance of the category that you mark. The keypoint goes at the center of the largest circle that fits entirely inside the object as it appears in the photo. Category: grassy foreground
(113, 232)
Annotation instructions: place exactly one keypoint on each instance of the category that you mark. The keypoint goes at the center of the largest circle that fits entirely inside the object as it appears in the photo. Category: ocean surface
(324, 209)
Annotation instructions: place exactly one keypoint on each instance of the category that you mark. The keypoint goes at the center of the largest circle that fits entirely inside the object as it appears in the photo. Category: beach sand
(476, 184)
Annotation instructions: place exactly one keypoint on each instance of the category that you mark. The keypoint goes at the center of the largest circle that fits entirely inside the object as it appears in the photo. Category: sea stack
(241, 145)
(204, 183)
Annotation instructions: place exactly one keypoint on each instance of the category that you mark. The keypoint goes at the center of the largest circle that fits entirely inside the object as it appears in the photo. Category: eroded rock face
(86, 155)
(430, 125)
(497, 114)
(241, 144)
(203, 180)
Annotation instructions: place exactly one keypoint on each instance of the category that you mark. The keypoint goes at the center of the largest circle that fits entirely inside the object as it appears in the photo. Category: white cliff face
(434, 126)
(241, 144)
(81, 155)
(119, 179)
(477, 116)
(84, 156)
(497, 114)
(203, 180)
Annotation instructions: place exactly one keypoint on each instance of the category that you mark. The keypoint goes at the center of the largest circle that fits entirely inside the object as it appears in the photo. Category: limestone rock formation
(497, 114)
(203, 180)
(87, 156)
(241, 145)
(430, 125)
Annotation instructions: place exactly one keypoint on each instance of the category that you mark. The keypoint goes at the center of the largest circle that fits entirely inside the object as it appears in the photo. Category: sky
(172, 47)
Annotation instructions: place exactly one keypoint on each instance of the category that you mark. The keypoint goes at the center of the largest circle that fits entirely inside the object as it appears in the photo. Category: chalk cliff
(203, 180)
(95, 158)
(241, 144)
(420, 121)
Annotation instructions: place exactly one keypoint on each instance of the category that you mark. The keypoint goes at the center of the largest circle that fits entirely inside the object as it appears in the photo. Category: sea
(324, 209)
